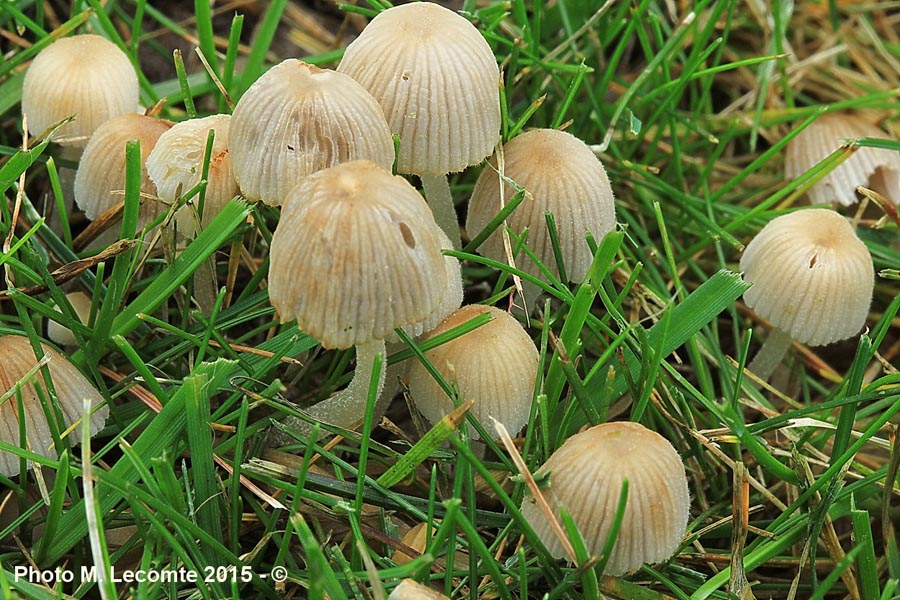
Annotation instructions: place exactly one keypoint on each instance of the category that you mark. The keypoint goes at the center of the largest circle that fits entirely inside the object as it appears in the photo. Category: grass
(793, 486)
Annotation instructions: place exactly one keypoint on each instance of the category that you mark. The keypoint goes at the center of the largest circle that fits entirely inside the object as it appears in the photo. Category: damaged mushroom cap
(356, 255)
(494, 365)
(436, 78)
(83, 75)
(586, 475)
(298, 119)
(876, 168)
(71, 389)
(100, 180)
(812, 277)
(175, 165)
(561, 175)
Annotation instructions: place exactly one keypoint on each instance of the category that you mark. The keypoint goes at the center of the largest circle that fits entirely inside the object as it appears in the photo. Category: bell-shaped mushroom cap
(176, 162)
(877, 168)
(84, 75)
(494, 365)
(61, 334)
(410, 590)
(561, 175)
(297, 119)
(586, 475)
(100, 180)
(355, 255)
(71, 389)
(437, 81)
(812, 277)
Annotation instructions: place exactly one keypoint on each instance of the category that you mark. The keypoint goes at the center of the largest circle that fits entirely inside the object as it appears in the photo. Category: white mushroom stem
(348, 407)
(771, 354)
(437, 194)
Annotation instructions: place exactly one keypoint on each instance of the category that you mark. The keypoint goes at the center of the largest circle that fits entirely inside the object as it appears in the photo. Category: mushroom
(494, 365)
(175, 165)
(297, 119)
(355, 255)
(877, 168)
(437, 80)
(586, 475)
(100, 180)
(84, 75)
(62, 335)
(410, 590)
(561, 175)
(812, 280)
(17, 380)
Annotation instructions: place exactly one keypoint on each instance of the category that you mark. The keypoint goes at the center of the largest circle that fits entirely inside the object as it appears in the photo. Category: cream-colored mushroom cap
(586, 475)
(100, 180)
(355, 255)
(561, 175)
(436, 79)
(410, 590)
(873, 167)
(61, 334)
(494, 365)
(176, 163)
(84, 75)
(812, 277)
(71, 389)
(297, 119)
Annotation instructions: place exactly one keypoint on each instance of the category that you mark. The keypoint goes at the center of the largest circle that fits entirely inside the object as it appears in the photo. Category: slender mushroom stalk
(437, 80)
(812, 280)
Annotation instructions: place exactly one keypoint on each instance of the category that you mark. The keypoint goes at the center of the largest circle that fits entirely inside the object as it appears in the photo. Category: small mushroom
(561, 175)
(437, 80)
(586, 475)
(84, 75)
(411, 590)
(71, 389)
(175, 165)
(61, 334)
(355, 255)
(494, 365)
(876, 168)
(812, 280)
(298, 119)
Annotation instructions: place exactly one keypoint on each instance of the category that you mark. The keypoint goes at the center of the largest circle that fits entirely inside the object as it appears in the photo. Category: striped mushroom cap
(176, 163)
(494, 365)
(877, 168)
(561, 175)
(71, 389)
(411, 590)
(100, 180)
(297, 119)
(812, 277)
(436, 79)
(84, 75)
(586, 475)
(355, 255)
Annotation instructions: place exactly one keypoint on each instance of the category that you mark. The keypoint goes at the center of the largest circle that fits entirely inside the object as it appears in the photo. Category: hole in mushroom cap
(408, 237)
(405, 76)
(813, 260)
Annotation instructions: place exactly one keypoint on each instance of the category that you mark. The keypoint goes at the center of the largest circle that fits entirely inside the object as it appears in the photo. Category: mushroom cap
(177, 161)
(586, 475)
(100, 180)
(436, 79)
(494, 365)
(825, 135)
(561, 175)
(812, 277)
(61, 334)
(71, 388)
(84, 75)
(297, 119)
(411, 590)
(355, 255)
